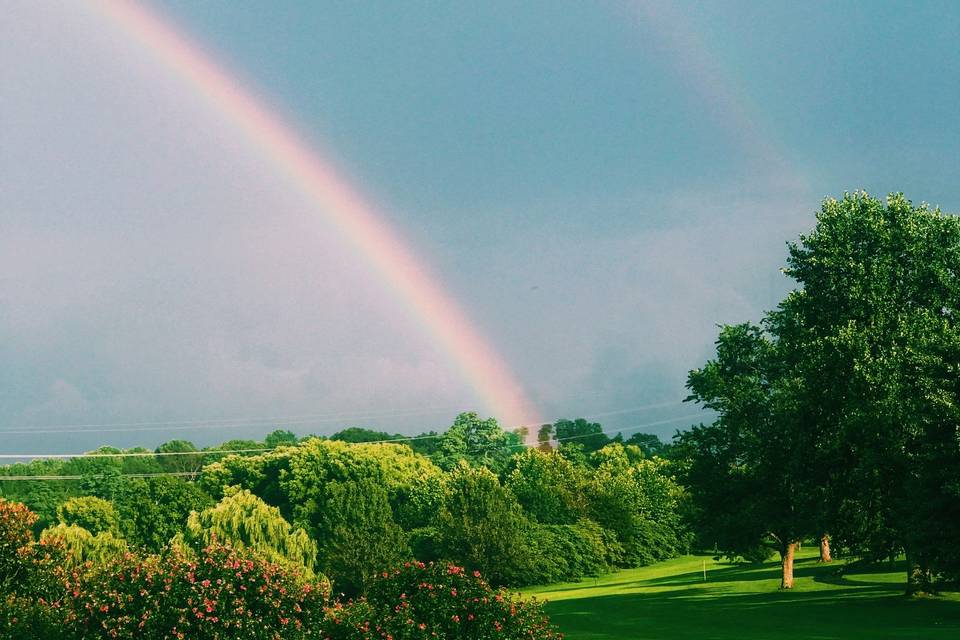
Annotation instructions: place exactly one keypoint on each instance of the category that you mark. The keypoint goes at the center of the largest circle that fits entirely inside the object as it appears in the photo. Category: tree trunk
(919, 577)
(825, 549)
(786, 564)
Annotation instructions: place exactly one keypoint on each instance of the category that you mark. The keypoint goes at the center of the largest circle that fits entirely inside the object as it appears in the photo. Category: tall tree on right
(840, 413)
(874, 343)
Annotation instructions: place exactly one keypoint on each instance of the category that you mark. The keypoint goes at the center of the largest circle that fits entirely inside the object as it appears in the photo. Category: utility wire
(262, 450)
(202, 452)
(224, 423)
(143, 454)
(278, 421)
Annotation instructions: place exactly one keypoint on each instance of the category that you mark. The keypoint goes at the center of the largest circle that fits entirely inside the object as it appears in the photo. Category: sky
(597, 186)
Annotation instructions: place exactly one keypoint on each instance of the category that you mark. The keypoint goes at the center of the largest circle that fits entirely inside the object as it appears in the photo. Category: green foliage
(280, 437)
(153, 510)
(424, 601)
(482, 526)
(649, 444)
(81, 546)
(259, 473)
(91, 513)
(359, 434)
(478, 442)
(417, 504)
(244, 521)
(40, 496)
(426, 443)
(588, 435)
(359, 536)
(179, 463)
(548, 486)
(875, 339)
(638, 501)
(570, 552)
(749, 472)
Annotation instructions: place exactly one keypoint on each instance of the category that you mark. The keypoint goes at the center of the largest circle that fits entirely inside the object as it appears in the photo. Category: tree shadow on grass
(743, 572)
(700, 613)
(854, 575)
(734, 572)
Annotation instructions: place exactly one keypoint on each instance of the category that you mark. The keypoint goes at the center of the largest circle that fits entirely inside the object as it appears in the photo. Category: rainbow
(314, 175)
(721, 91)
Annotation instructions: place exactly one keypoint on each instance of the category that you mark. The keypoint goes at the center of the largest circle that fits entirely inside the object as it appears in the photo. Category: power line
(264, 450)
(134, 454)
(635, 427)
(250, 422)
(102, 475)
(218, 423)
(203, 452)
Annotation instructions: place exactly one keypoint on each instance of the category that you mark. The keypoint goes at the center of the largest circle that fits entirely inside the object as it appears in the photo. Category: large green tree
(478, 442)
(482, 526)
(550, 488)
(874, 340)
(748, 471)
(360, 538)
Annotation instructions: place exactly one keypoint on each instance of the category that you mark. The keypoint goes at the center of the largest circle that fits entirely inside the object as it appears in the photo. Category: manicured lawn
(671, 601)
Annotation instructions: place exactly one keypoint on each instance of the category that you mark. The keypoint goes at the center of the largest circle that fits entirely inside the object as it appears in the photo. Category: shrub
(421, 601)
(22, 618)
(569, 552)
(223, 594)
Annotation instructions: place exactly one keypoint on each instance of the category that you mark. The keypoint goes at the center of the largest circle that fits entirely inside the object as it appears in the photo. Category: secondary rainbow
(381, 246)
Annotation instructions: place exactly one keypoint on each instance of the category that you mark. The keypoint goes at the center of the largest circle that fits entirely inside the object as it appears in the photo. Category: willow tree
(80, 545)
(245, 521)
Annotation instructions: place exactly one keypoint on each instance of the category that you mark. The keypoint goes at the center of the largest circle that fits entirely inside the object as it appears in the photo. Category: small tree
(244, 521)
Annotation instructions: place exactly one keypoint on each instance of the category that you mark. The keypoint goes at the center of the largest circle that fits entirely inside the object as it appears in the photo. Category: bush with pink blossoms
(220, 594)
(428, 601)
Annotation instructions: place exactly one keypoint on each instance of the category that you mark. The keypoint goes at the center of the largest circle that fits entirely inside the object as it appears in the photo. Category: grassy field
(671, 601)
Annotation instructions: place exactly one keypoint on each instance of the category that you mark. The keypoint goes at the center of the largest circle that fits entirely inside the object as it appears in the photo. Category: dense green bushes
(425, 601)
(316, 509)
(222, 593)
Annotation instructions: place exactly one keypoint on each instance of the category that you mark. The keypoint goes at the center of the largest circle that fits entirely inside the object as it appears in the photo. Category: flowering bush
(16, 536)
(420, 601)
(222, 594)
(30, 587)
(24, 617)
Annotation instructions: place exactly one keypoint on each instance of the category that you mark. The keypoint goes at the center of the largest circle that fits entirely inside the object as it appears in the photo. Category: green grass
(671, 601)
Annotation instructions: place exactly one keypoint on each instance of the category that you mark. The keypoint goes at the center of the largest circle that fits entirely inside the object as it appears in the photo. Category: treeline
(344, 510)
(839, 412)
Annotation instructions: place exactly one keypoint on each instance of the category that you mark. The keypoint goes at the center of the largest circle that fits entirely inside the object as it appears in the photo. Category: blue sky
(598, 184)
